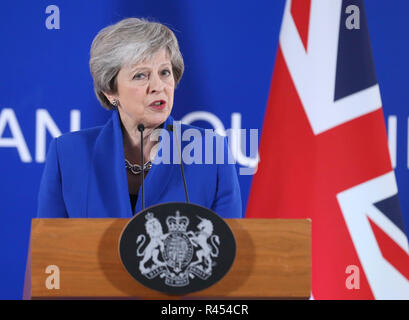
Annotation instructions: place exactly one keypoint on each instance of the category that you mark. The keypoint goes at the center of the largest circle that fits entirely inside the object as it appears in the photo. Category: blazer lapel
(159, 179)
(108, 188)
(108, 194)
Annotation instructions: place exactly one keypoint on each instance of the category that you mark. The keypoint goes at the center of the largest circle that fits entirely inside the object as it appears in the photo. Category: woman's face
(145, 91)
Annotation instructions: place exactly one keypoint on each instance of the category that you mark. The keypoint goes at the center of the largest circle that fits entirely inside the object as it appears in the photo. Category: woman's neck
(132, 143)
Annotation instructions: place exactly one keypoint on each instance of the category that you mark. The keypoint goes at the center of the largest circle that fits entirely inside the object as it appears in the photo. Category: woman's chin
(155, 120)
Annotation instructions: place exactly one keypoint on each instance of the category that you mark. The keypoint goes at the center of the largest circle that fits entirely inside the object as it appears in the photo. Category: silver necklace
(136, 168)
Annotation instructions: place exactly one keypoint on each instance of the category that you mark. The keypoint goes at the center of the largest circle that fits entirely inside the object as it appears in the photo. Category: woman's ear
(114, 100)
(110, 97)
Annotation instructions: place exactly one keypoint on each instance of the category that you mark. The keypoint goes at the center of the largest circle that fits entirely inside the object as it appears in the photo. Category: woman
(135, 65)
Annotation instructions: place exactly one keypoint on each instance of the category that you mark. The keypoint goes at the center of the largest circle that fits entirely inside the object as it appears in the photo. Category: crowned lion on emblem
(154, 229)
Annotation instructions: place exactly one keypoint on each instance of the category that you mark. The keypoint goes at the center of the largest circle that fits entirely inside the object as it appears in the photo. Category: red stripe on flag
(300, 11)
(392, 252)
(300, 174)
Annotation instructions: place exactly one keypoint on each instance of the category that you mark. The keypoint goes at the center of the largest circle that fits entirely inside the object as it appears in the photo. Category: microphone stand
(141, 128)
(171, 129)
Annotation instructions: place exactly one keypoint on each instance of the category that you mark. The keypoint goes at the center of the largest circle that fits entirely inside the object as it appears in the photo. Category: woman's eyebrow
(138, 67)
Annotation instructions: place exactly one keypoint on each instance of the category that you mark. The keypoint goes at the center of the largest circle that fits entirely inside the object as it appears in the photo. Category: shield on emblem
(177, 248)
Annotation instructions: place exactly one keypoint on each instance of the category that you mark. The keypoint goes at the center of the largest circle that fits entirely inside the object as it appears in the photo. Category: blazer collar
(108, 194)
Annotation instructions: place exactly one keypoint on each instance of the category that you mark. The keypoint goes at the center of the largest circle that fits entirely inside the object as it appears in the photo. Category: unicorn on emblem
(199, 238)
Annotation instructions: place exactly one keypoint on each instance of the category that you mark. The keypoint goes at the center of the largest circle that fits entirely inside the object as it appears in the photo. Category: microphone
(141, 128)
(170, 128)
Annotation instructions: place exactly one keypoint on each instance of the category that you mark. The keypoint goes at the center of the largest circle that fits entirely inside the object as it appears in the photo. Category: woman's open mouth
(158, 104)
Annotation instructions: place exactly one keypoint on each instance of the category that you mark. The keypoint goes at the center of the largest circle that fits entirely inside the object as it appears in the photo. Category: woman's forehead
(158, 58)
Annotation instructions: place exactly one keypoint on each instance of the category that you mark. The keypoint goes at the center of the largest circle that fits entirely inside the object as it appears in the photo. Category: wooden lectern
(273, 260)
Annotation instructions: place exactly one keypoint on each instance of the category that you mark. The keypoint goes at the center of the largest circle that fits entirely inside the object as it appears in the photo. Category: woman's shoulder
(83, 135)
(78, 143)
(191, 129)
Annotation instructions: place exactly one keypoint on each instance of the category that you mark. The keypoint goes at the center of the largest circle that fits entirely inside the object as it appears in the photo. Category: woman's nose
(155, 84)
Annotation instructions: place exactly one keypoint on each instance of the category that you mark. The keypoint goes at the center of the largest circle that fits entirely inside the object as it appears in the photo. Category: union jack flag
(324, 153)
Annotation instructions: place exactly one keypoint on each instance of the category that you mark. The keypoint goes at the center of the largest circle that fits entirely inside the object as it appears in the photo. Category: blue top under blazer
(85, 177)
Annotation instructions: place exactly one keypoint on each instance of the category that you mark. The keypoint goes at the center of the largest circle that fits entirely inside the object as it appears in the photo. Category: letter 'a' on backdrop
(177, 248)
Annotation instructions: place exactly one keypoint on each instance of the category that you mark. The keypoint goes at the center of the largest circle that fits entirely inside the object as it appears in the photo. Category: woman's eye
(166, 72)
(139, 76)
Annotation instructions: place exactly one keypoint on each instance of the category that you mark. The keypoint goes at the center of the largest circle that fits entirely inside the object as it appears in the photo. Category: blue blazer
(85, 177)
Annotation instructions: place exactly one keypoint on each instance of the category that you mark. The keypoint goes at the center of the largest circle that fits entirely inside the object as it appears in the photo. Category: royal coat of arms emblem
(178, 252)
(170, 255)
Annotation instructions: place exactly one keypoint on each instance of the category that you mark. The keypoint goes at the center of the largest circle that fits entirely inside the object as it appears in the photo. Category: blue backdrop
(229, 49)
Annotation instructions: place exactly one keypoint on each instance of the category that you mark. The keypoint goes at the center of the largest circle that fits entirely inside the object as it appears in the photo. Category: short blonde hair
(125, 43)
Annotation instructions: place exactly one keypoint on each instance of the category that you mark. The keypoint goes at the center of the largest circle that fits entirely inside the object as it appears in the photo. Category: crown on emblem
(177, 223)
